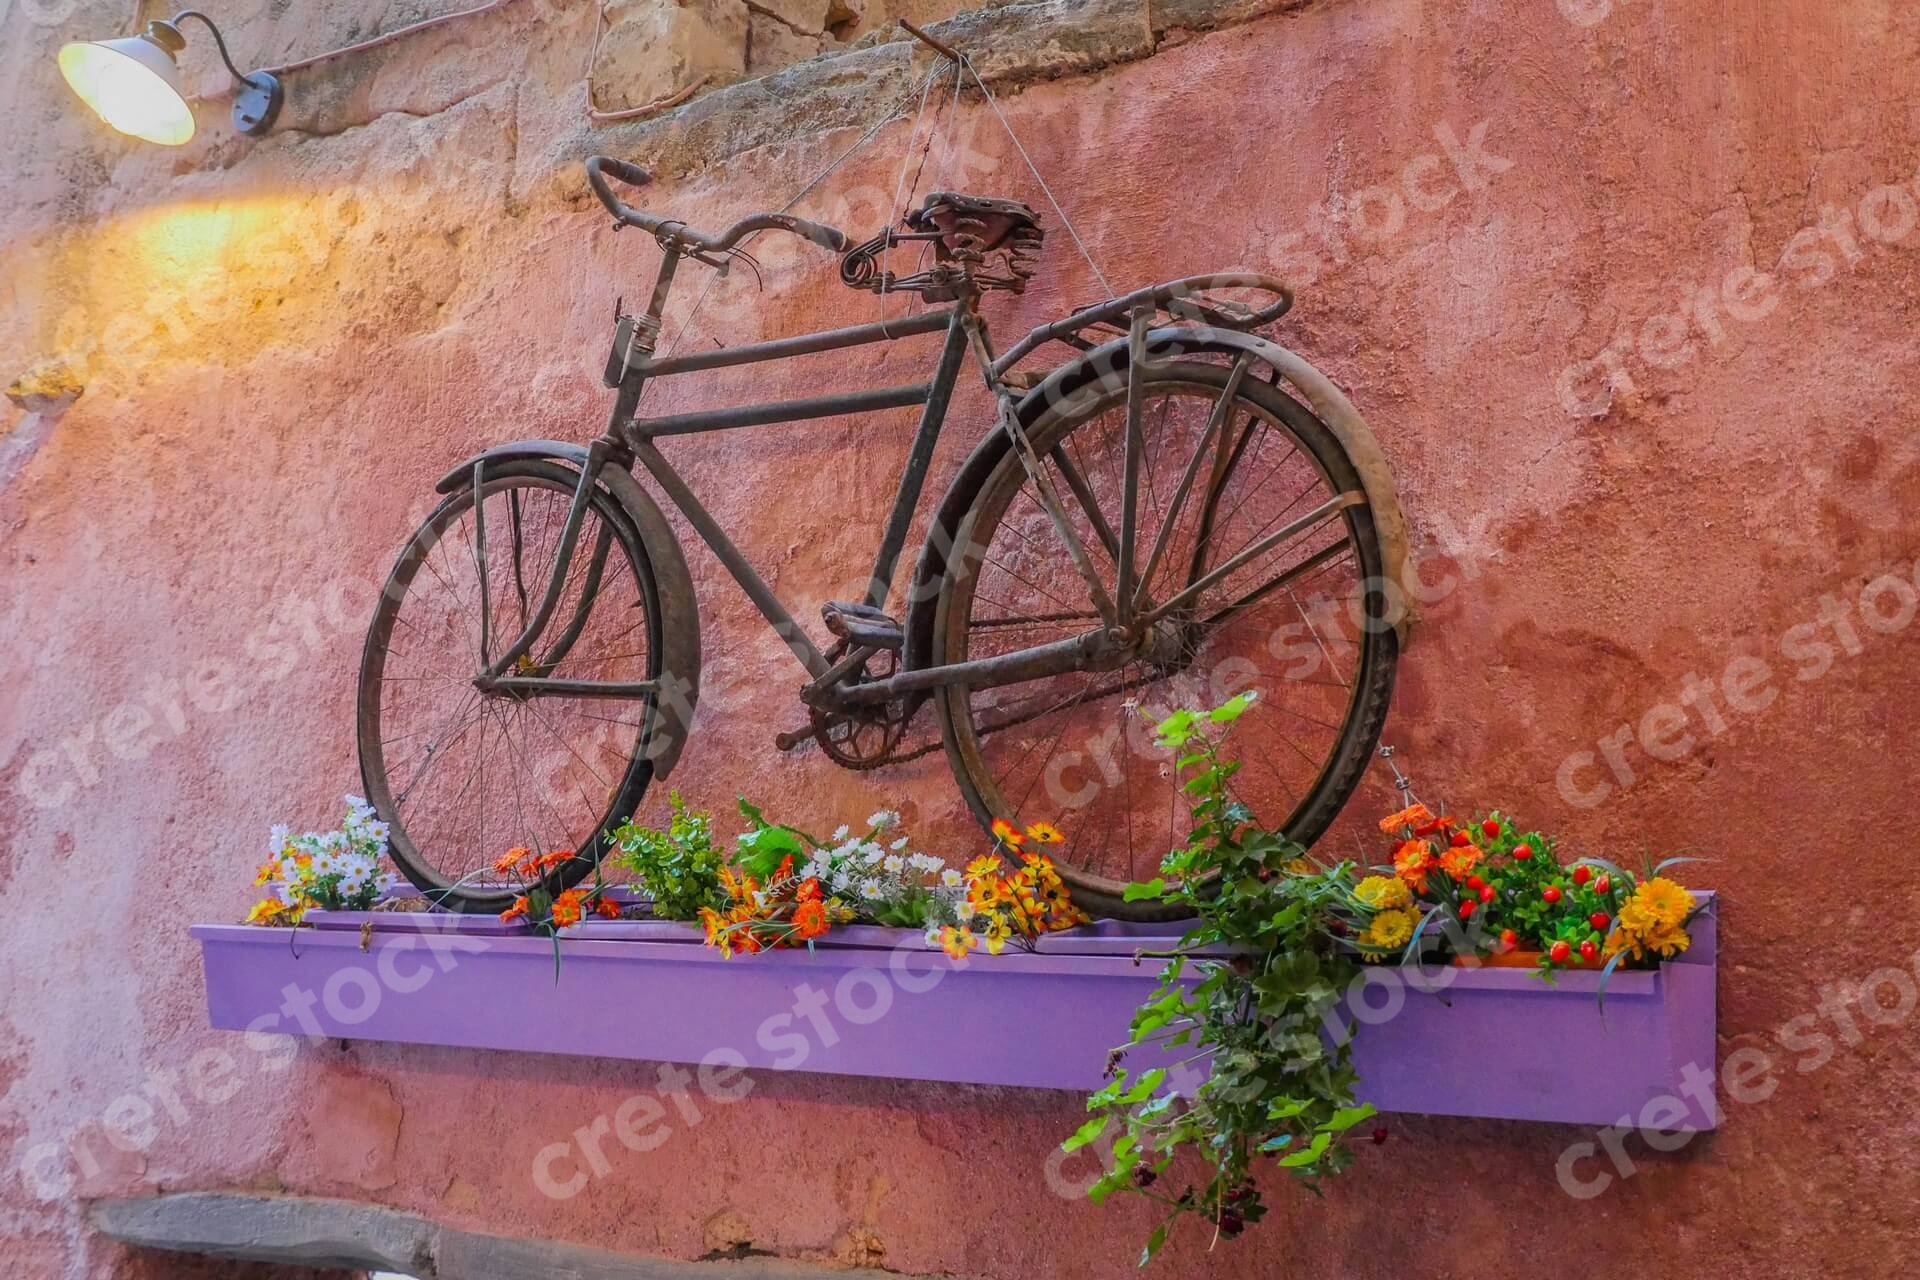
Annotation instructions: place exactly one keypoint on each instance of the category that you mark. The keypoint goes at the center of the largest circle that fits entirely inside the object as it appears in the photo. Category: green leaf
(1138, 892)
(1347, 1117)
(1232, 709)
(1155, 1238)
(1086, 1133)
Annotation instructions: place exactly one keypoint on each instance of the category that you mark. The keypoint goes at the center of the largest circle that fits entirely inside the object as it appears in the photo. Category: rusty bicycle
(1177, 510)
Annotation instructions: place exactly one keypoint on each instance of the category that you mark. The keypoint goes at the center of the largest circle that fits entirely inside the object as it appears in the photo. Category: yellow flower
(1663, 901)
(1006, 832)
(996, 934)
(982, 867)
(1389, 931)
(956, 941)
(1383, 893)
(1668, 941)
(268, 870)
(267, 911)
(1044, 833)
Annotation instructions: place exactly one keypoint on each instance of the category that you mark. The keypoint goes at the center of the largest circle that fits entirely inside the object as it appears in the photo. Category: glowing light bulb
(133, 84)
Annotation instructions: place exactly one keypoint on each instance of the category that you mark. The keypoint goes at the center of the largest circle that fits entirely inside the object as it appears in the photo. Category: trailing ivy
(1244, 997)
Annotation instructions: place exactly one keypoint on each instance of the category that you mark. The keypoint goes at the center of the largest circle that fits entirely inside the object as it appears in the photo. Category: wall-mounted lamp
(133, 83)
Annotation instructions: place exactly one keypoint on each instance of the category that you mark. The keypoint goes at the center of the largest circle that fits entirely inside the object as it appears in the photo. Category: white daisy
(881, 819)
(894, 864)
(871, 889)
(952, 879)
(839, 832)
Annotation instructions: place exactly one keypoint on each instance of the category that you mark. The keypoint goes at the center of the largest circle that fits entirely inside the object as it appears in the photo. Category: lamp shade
(133, 84)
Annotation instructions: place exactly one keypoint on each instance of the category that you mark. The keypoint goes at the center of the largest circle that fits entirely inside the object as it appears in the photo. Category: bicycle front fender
(672, 716)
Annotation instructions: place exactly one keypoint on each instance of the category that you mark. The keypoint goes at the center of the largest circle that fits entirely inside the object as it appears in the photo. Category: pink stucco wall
(322, 320)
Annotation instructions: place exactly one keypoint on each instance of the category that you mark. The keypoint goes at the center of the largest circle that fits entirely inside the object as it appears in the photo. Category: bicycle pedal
(862, 624)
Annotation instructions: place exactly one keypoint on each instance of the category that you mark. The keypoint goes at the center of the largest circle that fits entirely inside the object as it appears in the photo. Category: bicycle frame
(629, 438)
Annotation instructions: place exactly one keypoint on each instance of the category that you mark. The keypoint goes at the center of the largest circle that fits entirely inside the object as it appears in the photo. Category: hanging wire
(1035, 171)
(686, 325)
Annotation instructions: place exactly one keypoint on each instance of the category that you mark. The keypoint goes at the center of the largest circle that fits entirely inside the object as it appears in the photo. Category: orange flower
(810, 918)
(608, 908)
(1044, 833)
(1411, 862)
(1006, 833)
(1446, 822)
(1412, 816)
(555, 858)
(509, 860)
(1458, 860)
(809, 890)
(713, 923)
(739, 887)
(785, 870)
(516, 911)
(566, 911)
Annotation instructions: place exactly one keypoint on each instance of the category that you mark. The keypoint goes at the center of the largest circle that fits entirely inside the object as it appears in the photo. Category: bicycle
(1108, 549)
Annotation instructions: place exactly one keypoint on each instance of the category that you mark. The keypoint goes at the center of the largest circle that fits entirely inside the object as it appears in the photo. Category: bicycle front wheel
(461, 775)
(1252, 529)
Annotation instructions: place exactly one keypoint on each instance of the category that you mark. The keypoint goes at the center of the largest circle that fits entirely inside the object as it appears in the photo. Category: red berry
(1475, 882)
(1466, 907)
(1559, 952)
(1509, 939)
(1603, 885)
(1550, 894)
(1589, 950)
(1490, 828)
(1581, 875)
(1379, 1135)
(1461, 840)
(1522, 852)
(1599, 920)
(1486, 893)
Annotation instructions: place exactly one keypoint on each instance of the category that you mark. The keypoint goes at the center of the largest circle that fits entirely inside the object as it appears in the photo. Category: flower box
(875, 1002)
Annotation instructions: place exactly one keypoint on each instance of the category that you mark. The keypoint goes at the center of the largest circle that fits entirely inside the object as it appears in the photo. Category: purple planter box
(1496, 1043)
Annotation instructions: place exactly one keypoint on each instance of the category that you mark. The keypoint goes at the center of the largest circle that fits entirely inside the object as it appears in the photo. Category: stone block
(809, 17)
(655, 48)
(772, 44)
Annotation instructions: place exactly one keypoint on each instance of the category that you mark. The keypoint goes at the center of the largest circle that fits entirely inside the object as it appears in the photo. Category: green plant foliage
(762, 846)
(1249, 1013)
(678, 867)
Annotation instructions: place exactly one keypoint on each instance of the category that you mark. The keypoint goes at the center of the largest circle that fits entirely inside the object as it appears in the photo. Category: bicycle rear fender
(672, 715)
(1105, 368)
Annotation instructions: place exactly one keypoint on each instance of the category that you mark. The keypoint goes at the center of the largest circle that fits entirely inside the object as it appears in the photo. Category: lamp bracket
(257, 95)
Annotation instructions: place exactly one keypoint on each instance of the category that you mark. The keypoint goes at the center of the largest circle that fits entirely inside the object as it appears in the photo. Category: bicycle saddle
(969, 225)
(965, 232)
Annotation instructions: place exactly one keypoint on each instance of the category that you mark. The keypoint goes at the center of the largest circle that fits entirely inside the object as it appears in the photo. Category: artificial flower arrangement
(782, 887)
(1503, 896)
(1006, 905)
(328, 871)
(538, 904)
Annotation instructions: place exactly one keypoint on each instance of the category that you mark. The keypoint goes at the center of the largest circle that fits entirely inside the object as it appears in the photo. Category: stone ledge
(1010, 44)
(314, 1232)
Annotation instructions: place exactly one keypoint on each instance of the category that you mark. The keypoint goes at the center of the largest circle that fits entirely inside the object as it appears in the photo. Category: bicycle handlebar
(670, 229)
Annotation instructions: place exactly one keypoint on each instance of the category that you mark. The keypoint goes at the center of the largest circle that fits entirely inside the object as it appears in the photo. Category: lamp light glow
(133, 84)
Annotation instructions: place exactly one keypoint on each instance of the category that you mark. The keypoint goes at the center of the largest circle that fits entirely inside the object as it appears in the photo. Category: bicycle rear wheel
(461, 776)
(1301, 621)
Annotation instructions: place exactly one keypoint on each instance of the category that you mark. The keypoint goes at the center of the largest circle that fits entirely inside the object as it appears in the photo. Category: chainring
(862, 737)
